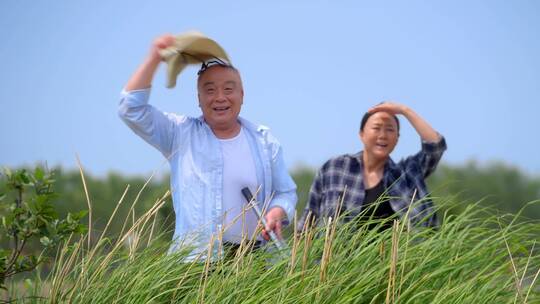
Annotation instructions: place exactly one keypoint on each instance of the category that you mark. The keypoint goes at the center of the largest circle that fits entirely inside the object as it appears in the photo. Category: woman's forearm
(422, 127)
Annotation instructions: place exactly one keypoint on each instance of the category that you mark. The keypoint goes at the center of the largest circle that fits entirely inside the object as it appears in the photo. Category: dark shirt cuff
(437, 146)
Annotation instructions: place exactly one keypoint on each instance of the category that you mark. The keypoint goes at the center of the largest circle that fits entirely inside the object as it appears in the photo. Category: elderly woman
(369, 183)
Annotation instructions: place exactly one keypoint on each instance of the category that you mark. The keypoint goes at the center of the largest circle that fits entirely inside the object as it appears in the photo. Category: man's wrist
(153, 60)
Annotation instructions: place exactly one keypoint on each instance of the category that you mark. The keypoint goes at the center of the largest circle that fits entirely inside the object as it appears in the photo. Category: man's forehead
(212, 82)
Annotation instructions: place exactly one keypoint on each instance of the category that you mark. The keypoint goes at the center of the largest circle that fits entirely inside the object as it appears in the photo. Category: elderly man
(211, 157)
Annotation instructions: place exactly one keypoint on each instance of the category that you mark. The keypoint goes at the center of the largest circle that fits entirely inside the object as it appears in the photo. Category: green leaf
(39, 174)
(45, 241)
(23, 176)
(79, 215)
(8, 172)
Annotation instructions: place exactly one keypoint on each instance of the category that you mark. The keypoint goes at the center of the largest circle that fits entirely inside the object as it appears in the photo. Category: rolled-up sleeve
(154, 126)
(284, 188)
(428, 158)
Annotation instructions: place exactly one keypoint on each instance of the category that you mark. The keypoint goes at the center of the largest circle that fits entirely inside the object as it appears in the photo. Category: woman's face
(380, 135)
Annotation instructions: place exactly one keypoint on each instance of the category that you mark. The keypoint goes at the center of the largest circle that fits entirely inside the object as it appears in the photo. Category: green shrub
(27, 215)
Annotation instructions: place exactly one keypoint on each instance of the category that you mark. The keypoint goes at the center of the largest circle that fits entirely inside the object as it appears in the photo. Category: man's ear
(199, 99)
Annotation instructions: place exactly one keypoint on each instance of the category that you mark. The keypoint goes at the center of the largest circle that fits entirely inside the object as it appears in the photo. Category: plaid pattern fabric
(343, 175)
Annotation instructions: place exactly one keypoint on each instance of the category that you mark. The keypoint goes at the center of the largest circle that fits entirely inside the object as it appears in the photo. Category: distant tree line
(496, 185)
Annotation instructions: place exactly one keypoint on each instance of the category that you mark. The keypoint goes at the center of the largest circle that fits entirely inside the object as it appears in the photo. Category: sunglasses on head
(210, 63)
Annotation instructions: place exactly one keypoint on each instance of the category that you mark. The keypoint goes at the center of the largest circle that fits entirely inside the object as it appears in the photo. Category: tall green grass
(475, 257)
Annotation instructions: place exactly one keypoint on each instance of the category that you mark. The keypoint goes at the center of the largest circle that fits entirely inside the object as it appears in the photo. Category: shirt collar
(390, 168)
(244, 122)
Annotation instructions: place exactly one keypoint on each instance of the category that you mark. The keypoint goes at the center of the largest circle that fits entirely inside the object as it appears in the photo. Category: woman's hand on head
(390, 107)
(422, 127)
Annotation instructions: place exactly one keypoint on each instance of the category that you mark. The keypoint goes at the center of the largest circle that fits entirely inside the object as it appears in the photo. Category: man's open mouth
(221, 109)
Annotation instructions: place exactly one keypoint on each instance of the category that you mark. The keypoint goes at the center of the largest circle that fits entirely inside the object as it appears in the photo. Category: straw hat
(190, 48)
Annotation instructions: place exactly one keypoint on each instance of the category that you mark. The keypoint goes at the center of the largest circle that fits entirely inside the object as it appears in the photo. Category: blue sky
(310, 70)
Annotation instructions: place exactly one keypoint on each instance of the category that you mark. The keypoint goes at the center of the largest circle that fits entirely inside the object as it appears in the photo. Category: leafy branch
(27, 214)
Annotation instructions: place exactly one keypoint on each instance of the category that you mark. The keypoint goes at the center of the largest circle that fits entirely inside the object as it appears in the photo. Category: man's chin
(221, 124)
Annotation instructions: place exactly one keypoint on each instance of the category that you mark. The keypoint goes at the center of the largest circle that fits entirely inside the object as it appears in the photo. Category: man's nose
(220, 96)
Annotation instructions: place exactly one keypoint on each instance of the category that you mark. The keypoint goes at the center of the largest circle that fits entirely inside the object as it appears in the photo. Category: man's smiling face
(220, 97)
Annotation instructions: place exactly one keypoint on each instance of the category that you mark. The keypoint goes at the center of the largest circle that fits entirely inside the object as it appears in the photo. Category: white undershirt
(238, 172)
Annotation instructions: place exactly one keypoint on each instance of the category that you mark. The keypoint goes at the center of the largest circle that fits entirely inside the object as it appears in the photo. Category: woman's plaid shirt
(404, 183)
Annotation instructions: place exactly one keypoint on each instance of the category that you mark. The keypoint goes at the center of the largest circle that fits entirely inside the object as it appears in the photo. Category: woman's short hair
(368, 115)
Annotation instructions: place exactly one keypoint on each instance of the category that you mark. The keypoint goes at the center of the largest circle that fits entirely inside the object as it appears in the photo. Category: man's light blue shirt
(196, 162)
